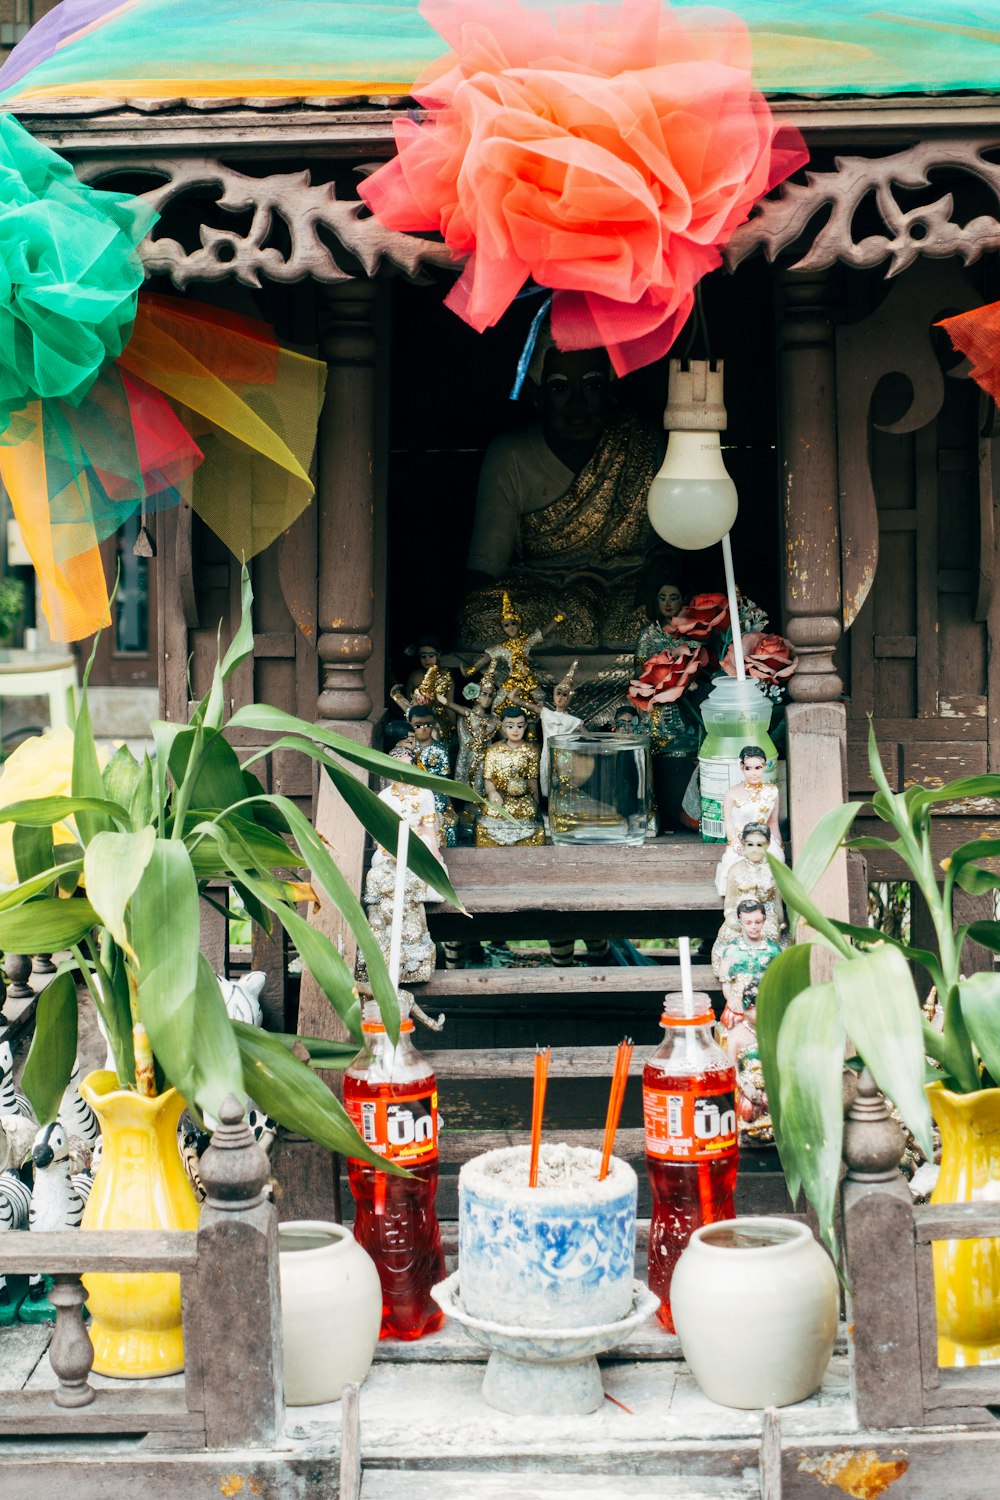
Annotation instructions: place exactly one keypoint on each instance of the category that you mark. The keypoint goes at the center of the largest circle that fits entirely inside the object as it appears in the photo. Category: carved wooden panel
(927, 229)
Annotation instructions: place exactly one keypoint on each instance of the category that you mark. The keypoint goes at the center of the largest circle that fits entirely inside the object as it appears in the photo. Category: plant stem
(145, 1065)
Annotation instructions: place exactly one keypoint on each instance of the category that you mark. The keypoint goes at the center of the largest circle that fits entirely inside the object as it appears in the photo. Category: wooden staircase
(484, 1058)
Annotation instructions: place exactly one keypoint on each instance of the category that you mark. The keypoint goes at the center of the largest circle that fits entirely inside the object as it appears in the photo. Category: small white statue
(557, 720)
(242, 997)
(15, 1201)
(82, 1125)
(12, 1101)
(58, 1199)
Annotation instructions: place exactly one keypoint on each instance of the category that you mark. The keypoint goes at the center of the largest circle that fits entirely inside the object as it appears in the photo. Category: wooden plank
(34, 1413)
(619, 979)
(536, 1484)
(901, 646)
(518, 1062)
(926, 730)
(925, 582)
(955, 1221)
(976, 1386)
(662, 858)
(22, 1346)
(948, 1465)
(770, 1455)
(930, 1373)
(571, 898)
(350, 1444)
(943, 762)
(99, 1250)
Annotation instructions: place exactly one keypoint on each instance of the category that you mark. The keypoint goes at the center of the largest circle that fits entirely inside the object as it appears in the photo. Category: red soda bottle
(390, 1094)
(688, 1107)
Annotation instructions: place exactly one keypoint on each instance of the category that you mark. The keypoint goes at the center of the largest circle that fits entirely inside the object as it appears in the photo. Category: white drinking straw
(734, 612)
(396, 935)
(687, 988)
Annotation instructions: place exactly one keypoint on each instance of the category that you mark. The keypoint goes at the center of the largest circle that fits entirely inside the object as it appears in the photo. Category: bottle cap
(674, 1014)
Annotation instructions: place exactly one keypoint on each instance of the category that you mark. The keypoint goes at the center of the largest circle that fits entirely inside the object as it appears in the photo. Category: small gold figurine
(511, 781)
(514, 655)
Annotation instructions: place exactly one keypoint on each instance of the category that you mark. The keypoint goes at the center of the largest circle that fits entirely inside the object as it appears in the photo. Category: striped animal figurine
(12, 1101)
(15, 1201)
(58, 1199)
(82, 1125)
(242, 997)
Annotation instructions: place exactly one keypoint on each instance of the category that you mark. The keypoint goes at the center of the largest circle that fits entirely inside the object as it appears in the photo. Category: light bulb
(692, 501)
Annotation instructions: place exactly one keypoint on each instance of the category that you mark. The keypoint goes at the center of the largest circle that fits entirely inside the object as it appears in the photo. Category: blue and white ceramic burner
(560, 1255)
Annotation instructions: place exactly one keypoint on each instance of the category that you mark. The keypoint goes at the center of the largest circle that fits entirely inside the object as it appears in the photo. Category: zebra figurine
(82, 1125)
(12, 1101)
(15, 1201)
(57, 1202)
(242, 997)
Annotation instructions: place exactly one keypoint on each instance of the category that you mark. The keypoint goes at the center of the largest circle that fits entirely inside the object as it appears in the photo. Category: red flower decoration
(606, 152)
(701, 617)
(667, 676)
(769, 658)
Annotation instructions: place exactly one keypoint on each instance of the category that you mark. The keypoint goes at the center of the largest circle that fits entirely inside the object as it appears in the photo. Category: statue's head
(626, 719)
(756, 840)
(563, 690)
(510, 619)
(428, 651)
(753, 763)
(750, 914)
(394, 733)
(421, 721)
(513, 724)
(574, 394)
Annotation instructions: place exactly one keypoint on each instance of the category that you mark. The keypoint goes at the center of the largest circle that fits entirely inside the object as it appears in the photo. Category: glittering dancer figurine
(477, 729)
(557, 720)
(753, 800)
(511, 785)
(416, 805)
(513, 654)
(432, 684)
(751, 878)
(433, 757)
(741, 968)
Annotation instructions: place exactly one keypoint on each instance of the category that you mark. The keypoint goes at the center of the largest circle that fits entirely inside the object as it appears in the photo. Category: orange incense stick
(538, 1109)
(619, 1082)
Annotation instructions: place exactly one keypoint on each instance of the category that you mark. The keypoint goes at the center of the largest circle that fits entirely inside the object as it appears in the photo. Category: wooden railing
(232, 1396)
(897, 1381)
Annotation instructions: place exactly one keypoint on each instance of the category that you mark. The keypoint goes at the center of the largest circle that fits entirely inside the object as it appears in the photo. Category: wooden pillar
(816, 719)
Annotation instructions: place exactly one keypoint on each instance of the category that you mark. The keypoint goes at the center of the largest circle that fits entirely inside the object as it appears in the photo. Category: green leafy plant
(11, 605)
(125, 900)
(803, 1028)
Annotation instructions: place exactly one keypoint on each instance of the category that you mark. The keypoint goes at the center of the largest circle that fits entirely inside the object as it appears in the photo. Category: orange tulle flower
(606, 152)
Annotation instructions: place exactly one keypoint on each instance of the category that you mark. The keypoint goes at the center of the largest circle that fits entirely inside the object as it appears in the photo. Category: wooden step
(610, 982)
(542, 1484)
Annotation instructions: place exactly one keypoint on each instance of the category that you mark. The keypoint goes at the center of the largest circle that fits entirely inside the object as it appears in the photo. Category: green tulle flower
(69, 274)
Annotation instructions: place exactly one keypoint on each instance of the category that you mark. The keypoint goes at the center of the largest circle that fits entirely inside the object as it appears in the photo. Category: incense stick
(398, 902)
(542, 1058)
(619, 1083)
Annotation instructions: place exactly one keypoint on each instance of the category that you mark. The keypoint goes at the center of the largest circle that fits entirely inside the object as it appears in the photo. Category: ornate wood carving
(928, 229)
(302, 207)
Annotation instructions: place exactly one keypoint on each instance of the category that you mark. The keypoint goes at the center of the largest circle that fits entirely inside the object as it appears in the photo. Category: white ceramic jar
(755, 1304)
(331, 1310)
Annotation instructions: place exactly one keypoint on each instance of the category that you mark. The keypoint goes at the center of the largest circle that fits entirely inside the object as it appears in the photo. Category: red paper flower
(769, 658)
(606, 152)
(701, 617)
(667, 676)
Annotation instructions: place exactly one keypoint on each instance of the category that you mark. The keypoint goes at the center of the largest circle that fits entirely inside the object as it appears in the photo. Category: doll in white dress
(753, 800)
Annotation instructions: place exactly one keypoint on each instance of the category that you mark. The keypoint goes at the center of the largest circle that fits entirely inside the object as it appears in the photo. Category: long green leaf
(179, 997)
(112, 868)
(785, 978)
(881, 1011)
(87, 782)
(218, 780)
(823, 843)
(43, 812)
(53, 1048)
(19, 894)
(976, 880)
(316, 951)
(32, 851)
(955, 791)
(241, 645)
(140, 807)
(985, 933)
(45, 926)
(275, 721)
(292, 1094)
(870, 936)
(120, 777)
(800, 902)
(810, 1066)
(980, 998)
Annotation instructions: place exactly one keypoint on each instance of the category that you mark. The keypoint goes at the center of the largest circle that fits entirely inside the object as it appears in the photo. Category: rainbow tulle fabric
(201, 405)
(178, 48)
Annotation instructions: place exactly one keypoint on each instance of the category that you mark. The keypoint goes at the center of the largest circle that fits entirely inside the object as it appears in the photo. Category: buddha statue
(561, 508)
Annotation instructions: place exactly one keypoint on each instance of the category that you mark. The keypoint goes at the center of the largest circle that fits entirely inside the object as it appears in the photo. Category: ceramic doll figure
(512, 785)
(513, 655)
(58, 1197)
(751, 878)
(417, 953)
(753, 800)
(432, 684)
(557, 720)
(741, 968)
(477, 729)
(432, 756)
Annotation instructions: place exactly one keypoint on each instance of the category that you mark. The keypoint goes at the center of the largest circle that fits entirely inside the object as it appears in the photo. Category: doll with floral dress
(753, 800)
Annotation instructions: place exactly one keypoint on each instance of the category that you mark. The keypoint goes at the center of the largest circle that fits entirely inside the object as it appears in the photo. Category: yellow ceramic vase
(140, 1184)
(967, 1272)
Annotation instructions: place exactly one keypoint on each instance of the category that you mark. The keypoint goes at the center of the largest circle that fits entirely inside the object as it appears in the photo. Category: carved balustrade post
(18, 968)
(71, 1354)
(881, 1266)
(816, 719)
(232, 1325)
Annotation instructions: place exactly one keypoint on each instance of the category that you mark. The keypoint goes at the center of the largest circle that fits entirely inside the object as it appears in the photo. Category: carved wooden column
(817, 723)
